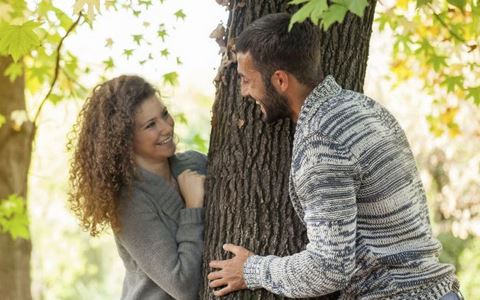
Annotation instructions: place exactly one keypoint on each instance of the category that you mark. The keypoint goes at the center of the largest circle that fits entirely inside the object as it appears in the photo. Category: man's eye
(150, 125)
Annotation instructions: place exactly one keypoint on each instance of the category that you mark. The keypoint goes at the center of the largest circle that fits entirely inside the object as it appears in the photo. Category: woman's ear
(280, 81)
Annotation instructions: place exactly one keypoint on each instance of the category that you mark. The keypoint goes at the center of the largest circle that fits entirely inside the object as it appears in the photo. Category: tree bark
(249, 161)
(15, 156)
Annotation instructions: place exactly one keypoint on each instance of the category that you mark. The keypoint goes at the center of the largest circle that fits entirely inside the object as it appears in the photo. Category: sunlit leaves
(170, 78)
(92, 5)
(321, 13)
(18, 40)
(13, 217)
(128, 52)
(474, 94)
(137, 38)
(109, 64)
(335, 13)
(180, 14)
(165, 52)
(458, 3)
(13, 71)
(437, 45)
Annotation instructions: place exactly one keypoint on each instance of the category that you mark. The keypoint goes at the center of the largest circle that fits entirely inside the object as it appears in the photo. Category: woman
(125, 174)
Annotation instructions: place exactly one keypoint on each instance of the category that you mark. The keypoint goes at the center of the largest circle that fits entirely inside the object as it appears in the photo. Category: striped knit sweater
(355, 185)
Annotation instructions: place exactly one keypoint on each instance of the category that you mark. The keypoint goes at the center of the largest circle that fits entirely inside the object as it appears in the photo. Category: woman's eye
(165, 113)
(150, 125)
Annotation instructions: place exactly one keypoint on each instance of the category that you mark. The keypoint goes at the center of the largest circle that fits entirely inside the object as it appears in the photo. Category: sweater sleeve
(325, 180)
(173, 262)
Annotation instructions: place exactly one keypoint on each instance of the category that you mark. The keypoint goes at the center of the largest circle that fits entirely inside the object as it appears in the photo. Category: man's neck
(296, 100)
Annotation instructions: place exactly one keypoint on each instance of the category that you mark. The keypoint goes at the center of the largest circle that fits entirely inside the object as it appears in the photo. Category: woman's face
(153, 132)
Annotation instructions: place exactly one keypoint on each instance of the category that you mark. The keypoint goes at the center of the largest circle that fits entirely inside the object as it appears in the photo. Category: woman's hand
(192, 188)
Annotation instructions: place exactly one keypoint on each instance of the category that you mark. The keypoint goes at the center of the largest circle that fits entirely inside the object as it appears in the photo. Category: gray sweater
(161, 241)
(355, 185)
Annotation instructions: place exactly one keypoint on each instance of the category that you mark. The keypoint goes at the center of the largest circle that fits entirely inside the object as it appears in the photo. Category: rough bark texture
(249, 161)
(15, 155)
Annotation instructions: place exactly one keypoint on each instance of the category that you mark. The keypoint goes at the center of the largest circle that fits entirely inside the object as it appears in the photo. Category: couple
(353, 182)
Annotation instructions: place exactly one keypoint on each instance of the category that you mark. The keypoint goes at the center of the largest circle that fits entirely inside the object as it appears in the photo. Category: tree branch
(57, 67)
(444, 24)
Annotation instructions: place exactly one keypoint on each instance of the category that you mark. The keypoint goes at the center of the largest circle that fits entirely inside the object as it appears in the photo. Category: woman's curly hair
(103, 163)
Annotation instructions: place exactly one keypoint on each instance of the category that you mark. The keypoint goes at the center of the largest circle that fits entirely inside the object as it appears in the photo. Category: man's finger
(232, 248)
(217, 264)
(214, 275)
(226, 290)
(218, 283)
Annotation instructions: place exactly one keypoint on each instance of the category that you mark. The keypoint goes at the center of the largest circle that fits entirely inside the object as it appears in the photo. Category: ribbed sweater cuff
(191, 215)
(252, 271)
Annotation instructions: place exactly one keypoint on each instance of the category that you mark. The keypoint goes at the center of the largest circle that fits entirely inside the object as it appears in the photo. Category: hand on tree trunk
(230, 273)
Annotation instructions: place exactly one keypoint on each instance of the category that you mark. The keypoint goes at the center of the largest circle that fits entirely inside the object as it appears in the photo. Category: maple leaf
(91, 6)
(18, 40)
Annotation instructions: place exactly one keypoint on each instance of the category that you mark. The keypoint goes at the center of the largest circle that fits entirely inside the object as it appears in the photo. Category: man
(353, 182)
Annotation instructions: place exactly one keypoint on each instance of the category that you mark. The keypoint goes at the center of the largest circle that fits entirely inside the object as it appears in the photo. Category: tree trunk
(249, 161)
(15, 155)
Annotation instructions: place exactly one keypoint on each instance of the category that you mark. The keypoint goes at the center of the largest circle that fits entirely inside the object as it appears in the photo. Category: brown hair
(273, 47)
(103, 164)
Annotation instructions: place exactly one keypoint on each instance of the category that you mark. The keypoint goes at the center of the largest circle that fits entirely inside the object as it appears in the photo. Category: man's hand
(230, 273)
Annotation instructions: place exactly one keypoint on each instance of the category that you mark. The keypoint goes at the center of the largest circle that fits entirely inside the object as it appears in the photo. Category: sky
(188, 39)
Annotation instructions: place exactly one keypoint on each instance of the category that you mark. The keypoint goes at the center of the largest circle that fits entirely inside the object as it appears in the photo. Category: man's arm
(326, 185)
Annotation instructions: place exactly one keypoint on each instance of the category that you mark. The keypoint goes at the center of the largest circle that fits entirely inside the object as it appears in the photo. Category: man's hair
(273, 47)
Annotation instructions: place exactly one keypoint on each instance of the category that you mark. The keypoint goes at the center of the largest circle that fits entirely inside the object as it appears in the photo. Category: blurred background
(69, 264)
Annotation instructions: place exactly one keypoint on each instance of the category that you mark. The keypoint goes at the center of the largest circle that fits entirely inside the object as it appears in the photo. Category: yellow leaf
(91, 4)
(5, 10)
(403, 4)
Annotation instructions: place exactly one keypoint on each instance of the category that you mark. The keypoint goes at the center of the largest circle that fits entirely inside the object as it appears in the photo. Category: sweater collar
(325, 90)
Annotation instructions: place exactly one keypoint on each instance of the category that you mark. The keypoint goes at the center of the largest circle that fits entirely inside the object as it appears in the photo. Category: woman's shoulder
(191, 159)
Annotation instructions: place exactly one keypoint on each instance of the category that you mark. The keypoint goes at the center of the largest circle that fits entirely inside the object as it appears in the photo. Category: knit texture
(161, 241)
(355, 185)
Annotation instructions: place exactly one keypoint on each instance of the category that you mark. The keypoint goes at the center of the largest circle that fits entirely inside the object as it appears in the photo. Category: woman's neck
(160, 168)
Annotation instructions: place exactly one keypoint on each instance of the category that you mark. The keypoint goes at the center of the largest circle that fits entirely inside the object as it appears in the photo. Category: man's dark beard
(275, 105)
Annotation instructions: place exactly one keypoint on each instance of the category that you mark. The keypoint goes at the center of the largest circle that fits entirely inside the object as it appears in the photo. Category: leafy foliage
(322, 13)
(13, 217)
(437, 43)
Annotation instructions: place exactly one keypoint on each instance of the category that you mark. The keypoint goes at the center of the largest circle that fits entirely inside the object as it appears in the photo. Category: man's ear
(280, 81)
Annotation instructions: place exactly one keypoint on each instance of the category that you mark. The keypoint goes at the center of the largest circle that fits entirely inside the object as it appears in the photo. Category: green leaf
(180, 14)
(421, 3)
(3, 120)
(295, 2)
(13, 217)
(453, 82)
(146, 3)
(474, 93)
(13, 71)
(458, 3)
(165, 52)
(334, 13)
(181, 118)
(55, 98)
(312, 9)
(109, 64)
(162, 33)
(128, 52)
(356, 6)
(18, 40)
(437, 61)
(137, 38)
(171, 78)
(179, 62)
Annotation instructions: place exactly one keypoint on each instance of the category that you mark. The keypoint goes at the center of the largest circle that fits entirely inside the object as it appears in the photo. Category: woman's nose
(165, 126)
